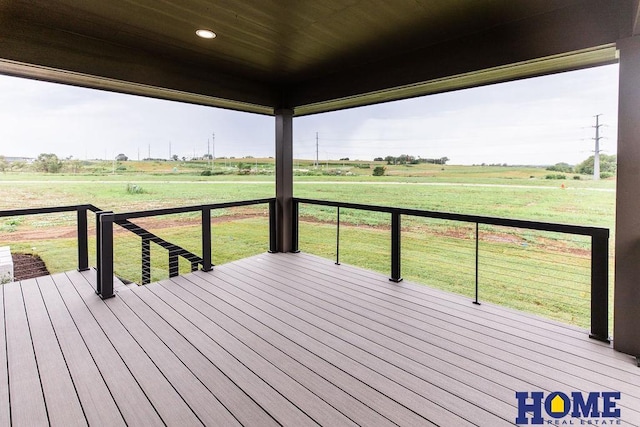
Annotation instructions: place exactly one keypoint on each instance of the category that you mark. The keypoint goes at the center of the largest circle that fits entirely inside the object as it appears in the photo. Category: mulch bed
(27, 266)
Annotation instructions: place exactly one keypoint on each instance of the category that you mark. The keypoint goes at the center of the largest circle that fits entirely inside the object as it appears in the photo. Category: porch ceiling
(308, 55)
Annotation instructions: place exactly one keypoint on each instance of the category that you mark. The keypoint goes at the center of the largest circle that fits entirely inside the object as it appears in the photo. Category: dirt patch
(27, 266)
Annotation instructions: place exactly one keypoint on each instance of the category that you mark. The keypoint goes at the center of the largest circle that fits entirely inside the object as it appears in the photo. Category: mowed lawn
(542, 273)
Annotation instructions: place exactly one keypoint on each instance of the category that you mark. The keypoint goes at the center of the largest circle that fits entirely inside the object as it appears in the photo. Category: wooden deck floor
(284, 339)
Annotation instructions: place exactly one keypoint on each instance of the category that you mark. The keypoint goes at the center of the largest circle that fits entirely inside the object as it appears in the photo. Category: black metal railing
(81, 223)
(105, 243)
(599, 306)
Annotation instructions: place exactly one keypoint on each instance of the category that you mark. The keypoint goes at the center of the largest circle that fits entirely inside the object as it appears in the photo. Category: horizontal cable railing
(105, 240)
(490, 249)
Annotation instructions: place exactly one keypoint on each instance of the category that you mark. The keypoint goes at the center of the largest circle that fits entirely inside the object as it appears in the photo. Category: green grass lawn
(437, 253)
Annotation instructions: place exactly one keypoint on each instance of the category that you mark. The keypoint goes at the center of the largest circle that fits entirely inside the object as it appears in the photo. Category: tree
(3, 164)
(378, 159)
(378, 170)
(121, 158)
(608, 164)
(74, 165)
(48, 163)
(563, 167)
(174, 157)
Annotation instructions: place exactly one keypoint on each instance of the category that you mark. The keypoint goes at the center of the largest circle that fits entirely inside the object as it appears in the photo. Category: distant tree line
(608, 166)
(407, 159)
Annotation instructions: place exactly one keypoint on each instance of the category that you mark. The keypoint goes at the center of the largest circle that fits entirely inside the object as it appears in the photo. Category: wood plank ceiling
(302, 54)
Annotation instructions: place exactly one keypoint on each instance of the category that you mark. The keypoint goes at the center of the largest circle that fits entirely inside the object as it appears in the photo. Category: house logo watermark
(576, 408)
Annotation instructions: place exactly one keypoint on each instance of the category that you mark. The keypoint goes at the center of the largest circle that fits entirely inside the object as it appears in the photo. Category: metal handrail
(81, 222)
(599, 248)
(105, 221)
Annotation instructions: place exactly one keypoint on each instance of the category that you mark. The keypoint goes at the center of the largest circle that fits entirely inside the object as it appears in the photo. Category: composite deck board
(316, 408)
(207, 408)
(284, 339)
(247, 411)
(586, 380)
(479, 404)
(420, 313)
(431, 363)
(308, 378)
(408, 389)
(560, 356)
(63, 405)
(5, 415)
(383, 385)
(509, 329)
(317, 366)
(25, 392)
(498, 315)
(95, 397)
(99, 324)
(535, 324)
(262, 392)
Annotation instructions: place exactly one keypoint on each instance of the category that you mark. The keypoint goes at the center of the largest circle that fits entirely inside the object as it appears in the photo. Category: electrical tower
(596, 155)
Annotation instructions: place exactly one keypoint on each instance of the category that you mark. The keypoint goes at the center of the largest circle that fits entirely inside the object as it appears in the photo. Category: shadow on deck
(287, 339)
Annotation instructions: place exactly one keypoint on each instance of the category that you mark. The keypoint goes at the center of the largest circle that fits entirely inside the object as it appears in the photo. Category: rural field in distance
(540, 272)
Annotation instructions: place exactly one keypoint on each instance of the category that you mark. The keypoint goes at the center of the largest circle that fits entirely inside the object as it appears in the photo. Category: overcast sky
(543, 120)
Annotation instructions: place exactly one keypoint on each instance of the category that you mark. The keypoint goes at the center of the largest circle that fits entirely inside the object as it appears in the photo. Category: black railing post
(295, 226)
(105, 263)
(395, 247)
(273, 235)
(206, 239)
(338, 237)
(98, 252)
(83, 239)
(477, 264)
(600, 286)
(146, 261)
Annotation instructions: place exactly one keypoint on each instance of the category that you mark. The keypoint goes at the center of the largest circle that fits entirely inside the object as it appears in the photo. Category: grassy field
(437, 253)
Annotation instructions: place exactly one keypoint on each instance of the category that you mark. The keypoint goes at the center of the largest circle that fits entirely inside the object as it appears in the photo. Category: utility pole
(149, 156)
(169, 150)
(317, 162)
(596, 155)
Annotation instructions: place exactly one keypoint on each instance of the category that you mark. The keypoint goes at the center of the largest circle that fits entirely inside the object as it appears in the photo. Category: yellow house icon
(557, 404)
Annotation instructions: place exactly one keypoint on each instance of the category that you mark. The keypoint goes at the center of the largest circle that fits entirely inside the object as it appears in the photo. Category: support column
(626, 325)
(284, 179)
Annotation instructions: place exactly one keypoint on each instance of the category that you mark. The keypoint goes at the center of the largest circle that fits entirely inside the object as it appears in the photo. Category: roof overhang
(309, 56)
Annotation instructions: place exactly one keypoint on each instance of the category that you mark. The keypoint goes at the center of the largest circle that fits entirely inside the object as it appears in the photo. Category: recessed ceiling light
(205, 34)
